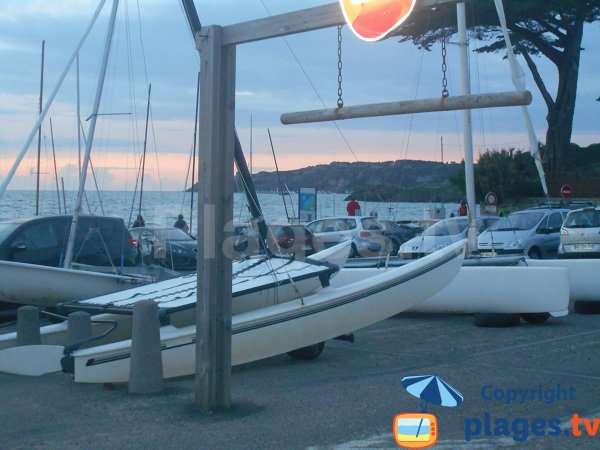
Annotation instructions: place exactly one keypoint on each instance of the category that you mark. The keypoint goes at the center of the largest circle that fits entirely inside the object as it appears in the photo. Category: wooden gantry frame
(217, 48)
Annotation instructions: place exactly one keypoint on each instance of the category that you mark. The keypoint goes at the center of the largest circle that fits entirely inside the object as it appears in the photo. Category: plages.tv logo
(420, 430)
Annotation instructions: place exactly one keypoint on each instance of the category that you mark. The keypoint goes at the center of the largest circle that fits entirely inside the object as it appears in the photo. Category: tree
(552, 28)
(508, 173)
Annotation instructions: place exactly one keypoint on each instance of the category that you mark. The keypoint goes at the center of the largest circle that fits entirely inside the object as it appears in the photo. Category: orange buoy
(371, 20)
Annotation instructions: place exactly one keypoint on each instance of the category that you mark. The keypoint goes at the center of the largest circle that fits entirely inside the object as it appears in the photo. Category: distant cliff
(403, 180)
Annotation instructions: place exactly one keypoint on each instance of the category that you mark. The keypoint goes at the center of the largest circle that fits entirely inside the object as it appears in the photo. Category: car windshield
(518, 221)
(583, 219)
(370, 224)
(6, 229)
(446, 228)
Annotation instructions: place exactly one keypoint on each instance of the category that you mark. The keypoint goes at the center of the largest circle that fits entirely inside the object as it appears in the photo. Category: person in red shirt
(352, 207)
(462, 209)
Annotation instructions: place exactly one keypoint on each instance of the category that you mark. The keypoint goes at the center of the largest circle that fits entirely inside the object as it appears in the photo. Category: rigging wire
(312, 85)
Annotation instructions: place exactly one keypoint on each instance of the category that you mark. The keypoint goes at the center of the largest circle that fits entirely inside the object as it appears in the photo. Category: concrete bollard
(80, 327)
(28, 325)
(145, 371)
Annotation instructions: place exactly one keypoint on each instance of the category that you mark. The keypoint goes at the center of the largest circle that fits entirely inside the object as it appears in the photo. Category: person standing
(462, 209)
(139, 222)
(181, 224)
(353, 207)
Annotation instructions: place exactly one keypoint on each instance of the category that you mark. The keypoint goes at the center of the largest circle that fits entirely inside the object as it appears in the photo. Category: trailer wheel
(310, 352)
(535, 317)
(496, 320)
(587, 307)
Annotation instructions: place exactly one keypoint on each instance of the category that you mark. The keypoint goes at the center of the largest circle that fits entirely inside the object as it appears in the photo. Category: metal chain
(445, 92)
(340, 101)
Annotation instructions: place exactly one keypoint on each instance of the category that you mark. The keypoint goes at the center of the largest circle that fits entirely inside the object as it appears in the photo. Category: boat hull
(584, 282)
(31, 284)
(285, 327)
(490, 289)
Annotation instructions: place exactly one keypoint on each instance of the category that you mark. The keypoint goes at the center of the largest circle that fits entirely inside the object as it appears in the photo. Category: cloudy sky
(152, 44)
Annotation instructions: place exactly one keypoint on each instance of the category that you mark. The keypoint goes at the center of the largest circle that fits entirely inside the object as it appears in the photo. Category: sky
(153, 44)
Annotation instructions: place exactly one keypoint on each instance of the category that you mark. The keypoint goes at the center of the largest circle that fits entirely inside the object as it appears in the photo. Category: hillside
(403, 180)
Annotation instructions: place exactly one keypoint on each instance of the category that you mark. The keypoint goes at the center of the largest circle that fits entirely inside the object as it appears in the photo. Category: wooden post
(215, 210)
(461, 102)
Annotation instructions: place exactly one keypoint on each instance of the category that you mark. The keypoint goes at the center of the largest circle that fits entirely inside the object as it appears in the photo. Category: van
(534, 232)
(99, 241)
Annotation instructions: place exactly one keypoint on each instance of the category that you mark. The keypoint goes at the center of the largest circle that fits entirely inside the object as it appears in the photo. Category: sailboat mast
(39, 149)
(88, 147)
(194, 151)
(463, 44)
(13, 169)
(278, 177)
(144, 153)
(55, 170)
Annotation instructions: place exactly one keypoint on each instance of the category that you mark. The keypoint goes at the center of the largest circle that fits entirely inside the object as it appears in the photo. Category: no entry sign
(565, 191)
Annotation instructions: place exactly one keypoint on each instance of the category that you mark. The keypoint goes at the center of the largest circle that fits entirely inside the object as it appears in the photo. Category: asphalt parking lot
(521, 387)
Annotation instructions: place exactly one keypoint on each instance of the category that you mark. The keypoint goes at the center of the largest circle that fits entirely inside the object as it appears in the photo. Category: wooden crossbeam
(460, 102)
(316, 18)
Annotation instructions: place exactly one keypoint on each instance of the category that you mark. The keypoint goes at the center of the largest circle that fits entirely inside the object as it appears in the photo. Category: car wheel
(496, 320)
(587, 307)
(354, 252)
(310, 352)
(535, 253)
(395, 248)
(535, 317)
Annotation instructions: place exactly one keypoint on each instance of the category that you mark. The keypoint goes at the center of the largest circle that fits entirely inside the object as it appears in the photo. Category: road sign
(490, 198)
(565, 191)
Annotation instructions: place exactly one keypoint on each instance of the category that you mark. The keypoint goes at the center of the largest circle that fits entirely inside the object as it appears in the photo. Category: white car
(440, 235)
(580, 234)
(365, 233)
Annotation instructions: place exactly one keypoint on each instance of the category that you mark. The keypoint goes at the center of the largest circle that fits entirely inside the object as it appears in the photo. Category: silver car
(365, 233)
(580, 234)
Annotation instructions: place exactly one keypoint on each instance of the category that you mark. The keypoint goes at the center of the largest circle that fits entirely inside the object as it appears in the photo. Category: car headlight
(564, 231)
(440, 246)
(514, 244)
(178, 250)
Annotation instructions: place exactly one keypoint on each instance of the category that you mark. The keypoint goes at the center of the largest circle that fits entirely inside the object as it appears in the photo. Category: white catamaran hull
(584, 279)
(31, 284)
(288, 326)
(257, 287)
(490, 289)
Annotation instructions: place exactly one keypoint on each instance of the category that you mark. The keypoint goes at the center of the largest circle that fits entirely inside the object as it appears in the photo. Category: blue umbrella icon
(431, 389)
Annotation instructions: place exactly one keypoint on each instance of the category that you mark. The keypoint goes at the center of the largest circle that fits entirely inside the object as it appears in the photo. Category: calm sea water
(161, 208)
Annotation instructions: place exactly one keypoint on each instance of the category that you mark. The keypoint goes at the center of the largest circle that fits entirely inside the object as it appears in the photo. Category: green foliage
(389, 193)
(510, 174)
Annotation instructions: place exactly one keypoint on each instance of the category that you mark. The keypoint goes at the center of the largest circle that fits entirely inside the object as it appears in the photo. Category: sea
(160, 209)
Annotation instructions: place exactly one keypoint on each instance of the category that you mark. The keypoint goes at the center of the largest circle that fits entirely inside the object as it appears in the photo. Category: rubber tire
(395, 248)
(353, 252)
(310, 352)
(535, 317)
(534, 253)
(586, 307)
(496, 320)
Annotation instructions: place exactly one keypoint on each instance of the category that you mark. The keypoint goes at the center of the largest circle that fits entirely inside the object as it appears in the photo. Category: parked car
(99, 241)
(365, 233)
(283, 239)
(580, 234)
(168, 247)
(440, 235)
(534, 232)
(399, 232)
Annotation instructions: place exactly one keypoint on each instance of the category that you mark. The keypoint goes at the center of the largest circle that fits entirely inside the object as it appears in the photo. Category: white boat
(32, 284)
(504, 286)
(257, 282)
(584, 282)
(284, 327)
